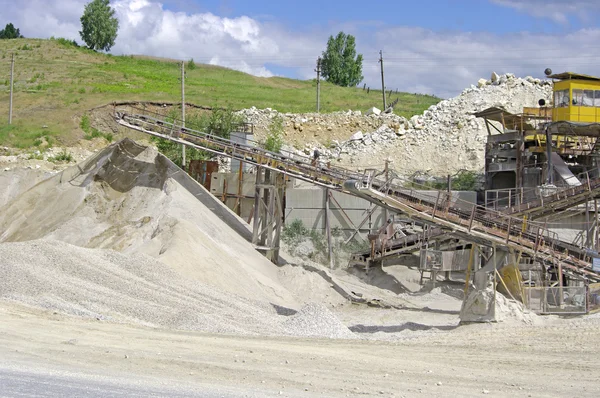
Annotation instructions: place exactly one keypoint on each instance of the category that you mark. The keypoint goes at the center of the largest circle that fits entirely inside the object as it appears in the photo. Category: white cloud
(443, 63)
(416, 59)
(243, 66)
(556, 10)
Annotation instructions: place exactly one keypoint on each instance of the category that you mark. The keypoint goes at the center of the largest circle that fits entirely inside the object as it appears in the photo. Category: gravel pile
(315, 320)
(126, 237)
(131, 199)
(111, 286)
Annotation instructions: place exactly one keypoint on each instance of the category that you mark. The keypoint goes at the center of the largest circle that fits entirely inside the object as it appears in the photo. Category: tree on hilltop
(99, 25)
(10, 32)
(340, 64)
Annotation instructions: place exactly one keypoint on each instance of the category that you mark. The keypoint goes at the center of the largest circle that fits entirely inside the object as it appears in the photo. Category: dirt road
(559, 358)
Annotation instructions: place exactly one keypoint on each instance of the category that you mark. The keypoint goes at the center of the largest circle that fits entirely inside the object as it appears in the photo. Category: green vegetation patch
(19, 136)
(58, 79)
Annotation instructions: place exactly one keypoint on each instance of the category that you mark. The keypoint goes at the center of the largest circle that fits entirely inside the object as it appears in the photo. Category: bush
(274, 140)
(65, 42)
(293, 231)
(464, 181)
(85, 123)
(92, 132)
(191, 65)
(63, 156)
(35, 156)
(220, 122)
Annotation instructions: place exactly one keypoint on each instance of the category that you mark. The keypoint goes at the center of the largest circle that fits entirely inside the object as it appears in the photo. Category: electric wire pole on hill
(10, 103)
(382, 80)
(318, 70)
(183, 111)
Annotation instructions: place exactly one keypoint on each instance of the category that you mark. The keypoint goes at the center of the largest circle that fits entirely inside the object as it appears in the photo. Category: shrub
(220, 122)
(85, 123)
(464, 180)
(35, 156)
(294, 230)
(63, 156)
(274, 140)
(66, 42)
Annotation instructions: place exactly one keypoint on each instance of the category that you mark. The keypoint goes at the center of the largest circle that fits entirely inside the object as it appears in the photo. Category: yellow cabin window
(577, 97)
(561, 98)
(588, 98)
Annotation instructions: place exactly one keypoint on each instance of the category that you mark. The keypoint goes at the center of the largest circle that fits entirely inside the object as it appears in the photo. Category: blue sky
(471, 15)
(436, 47)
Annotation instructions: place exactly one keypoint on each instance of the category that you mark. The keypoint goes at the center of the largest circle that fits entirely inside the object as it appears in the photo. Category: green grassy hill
(56, 82)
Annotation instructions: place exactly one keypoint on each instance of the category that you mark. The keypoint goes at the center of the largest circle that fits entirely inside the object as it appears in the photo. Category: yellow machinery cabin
(576, 98)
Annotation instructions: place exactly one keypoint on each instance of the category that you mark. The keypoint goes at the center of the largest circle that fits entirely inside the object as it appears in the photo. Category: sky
(434, 47)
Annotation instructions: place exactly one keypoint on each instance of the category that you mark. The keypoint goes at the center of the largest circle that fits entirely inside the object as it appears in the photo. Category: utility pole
(382, 80)
(183, 111)
(12, 74)
(318, 84)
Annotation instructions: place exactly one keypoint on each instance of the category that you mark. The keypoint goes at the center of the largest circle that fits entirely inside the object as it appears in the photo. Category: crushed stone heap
(446, 138)
(132, 199)
(126, 236)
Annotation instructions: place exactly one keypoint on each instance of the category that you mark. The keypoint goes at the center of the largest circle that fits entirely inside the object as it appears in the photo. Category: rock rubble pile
(446, 138)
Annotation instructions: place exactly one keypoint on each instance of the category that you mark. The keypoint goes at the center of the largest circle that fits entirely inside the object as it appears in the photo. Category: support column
(549, 168)
(268, 212)
(328, 229)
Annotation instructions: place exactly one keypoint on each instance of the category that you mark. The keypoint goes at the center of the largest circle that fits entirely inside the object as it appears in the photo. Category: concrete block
(218, 179)
(349, 202)
(305, 198)
(245, 139)
(346, 220)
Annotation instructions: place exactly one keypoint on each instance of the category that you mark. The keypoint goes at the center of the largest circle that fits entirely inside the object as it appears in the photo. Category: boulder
(357, 136)
(373, 111)
(481, 83)
(495, 77)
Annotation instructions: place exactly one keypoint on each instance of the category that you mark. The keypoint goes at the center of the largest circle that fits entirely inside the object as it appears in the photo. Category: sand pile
(87, 241)
(14, 182)
(107, 285)
(508, 310)
(131, 199)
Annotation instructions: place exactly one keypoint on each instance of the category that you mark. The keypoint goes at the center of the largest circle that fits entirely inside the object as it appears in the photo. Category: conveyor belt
(478, 224)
